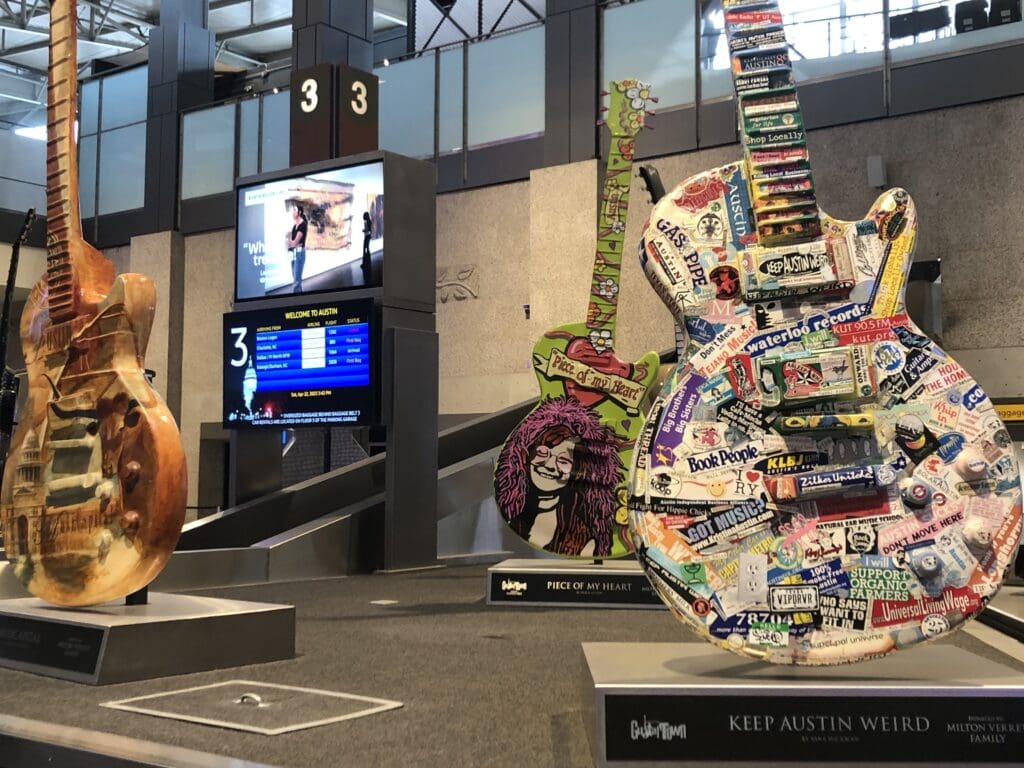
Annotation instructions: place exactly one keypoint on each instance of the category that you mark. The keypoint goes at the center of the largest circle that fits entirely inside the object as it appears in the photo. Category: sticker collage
(817, 482)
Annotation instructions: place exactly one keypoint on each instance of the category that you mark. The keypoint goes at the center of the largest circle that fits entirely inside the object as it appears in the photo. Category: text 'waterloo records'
(313, 358)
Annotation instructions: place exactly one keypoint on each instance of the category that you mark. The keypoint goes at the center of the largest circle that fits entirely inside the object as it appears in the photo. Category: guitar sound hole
(132, 418)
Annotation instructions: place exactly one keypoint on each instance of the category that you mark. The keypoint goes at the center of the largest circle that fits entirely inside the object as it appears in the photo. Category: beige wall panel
(209, 287)
(151, 255)
(484, 341)
(562, 242)
(31, 267)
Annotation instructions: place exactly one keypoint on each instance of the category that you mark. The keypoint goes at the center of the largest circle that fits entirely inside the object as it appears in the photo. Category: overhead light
(37, 132)
(387, 62)
(277, 91)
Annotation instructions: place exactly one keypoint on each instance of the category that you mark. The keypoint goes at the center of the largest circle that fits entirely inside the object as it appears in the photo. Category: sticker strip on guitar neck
(815, 466)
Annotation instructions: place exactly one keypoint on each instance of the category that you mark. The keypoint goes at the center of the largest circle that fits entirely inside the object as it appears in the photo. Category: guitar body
(561, 476)
(818, 482)
(94, 491)
(560, 479)
(95, 484)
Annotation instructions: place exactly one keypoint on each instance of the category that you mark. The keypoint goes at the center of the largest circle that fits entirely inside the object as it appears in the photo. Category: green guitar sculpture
(560, 480)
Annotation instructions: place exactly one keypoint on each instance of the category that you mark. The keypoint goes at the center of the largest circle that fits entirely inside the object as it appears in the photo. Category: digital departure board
(305, 365)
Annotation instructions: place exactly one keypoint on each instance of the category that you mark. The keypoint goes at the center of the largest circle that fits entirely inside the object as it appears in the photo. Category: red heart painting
(582, 351)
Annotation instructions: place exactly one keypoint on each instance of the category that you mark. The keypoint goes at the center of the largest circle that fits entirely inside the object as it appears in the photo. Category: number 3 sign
(358, 111)
(334, 112)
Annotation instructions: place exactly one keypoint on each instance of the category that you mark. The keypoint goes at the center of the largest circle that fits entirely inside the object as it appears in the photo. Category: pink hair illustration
(587, 508)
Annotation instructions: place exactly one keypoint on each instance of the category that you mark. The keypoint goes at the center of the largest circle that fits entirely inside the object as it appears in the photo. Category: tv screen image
(316, 232)
(305, 365)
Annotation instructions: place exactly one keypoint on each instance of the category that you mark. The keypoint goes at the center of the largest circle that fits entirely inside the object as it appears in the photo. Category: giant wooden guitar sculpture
(560, 480)
(818, 482)
(94, 489)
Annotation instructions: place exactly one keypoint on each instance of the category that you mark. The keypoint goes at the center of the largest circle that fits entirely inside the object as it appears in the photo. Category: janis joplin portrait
(556, 479)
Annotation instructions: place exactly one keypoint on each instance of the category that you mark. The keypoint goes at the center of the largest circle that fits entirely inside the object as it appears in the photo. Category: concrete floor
(482, 686)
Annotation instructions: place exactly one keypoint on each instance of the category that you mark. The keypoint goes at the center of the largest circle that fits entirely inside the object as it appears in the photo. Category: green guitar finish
(560, 480)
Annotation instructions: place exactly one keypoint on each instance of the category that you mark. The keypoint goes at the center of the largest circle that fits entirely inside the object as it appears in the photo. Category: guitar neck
(771, 124)
(611, 230)
(63, 223)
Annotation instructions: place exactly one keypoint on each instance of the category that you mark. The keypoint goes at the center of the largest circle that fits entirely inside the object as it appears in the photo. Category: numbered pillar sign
(358, 111)
(312, 114)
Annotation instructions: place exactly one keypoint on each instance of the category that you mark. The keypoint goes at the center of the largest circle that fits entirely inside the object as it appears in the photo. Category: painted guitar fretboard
(771, 125)
(62, 216)
(611, 228)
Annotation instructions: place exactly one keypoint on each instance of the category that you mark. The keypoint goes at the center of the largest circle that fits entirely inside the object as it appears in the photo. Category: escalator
(357, 488)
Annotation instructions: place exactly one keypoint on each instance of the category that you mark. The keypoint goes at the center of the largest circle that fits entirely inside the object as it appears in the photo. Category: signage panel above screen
(311, 232)
(304, 365)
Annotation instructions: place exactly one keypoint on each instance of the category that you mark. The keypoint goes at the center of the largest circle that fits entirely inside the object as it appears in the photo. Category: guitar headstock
(628, 107)
(30, 219)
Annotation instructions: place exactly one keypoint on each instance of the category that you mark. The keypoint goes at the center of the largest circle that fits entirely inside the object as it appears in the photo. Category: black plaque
(814, 729)
(572, 588)
(358, 111)
(58, 646)
(312, 114)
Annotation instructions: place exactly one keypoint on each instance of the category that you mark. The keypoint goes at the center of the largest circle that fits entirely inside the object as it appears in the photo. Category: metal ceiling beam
(216, 5)
(21, 89)
(43, 44)
(254, 29)
(99, 6)
(14, 25)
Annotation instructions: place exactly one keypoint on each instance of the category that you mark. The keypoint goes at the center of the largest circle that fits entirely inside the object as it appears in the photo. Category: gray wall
(964, 166)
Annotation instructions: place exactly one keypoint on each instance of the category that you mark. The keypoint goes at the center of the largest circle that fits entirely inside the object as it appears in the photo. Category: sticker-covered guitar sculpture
(817, 482)
(560, 480)
(94, 487)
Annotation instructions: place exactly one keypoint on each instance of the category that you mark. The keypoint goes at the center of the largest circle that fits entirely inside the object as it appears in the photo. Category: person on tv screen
(367, 236)
(296, 242)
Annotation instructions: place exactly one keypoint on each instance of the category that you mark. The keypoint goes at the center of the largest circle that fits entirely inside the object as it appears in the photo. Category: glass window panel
(276, 132)
(90, 107)
(122, 169)
(825, 39)
(208, 152)
(20, 196)
(936, 39)
(249, 138)
(124, 98)
(831, 38)
(407, 106)
(653, 41)
(506, 87)
(87, 175)
(22, 158)
(450, 122)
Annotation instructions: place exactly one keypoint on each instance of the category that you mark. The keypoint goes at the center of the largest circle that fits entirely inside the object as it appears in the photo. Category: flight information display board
(305, 365)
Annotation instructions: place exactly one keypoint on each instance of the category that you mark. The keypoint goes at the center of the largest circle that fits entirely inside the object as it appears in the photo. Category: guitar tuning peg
(605, 93)
(648, 126)
(653, 99)
(651, 112)
(600, 122)
(603, 109)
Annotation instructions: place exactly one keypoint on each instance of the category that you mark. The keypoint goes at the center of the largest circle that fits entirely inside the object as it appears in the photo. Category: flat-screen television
(304, 365)
(310, 232)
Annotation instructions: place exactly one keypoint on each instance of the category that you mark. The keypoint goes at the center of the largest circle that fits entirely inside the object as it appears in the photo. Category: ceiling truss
(114, 27)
